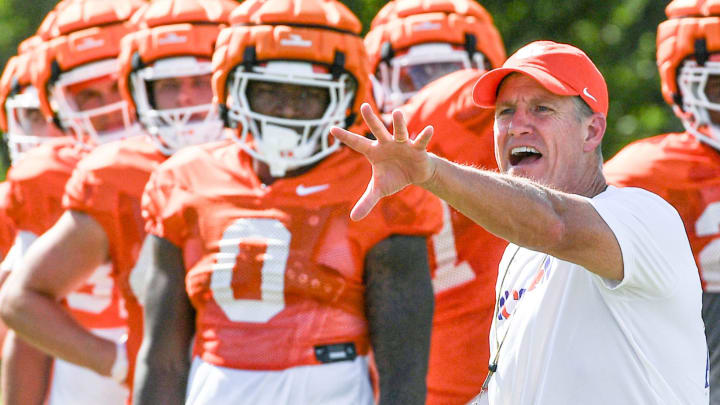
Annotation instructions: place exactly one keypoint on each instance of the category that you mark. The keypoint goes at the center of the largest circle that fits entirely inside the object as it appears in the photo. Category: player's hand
(397, 160)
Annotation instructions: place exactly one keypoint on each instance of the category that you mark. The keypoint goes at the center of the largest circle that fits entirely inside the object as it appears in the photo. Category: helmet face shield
(407, 73)
(173, 98)
(286, 100)
(412, 78)
(88, 102)
(288, 108)
(27, 126)
(700, 89)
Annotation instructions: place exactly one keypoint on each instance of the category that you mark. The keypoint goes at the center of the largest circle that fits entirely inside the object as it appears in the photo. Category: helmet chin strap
(277, 139)
(280, 146)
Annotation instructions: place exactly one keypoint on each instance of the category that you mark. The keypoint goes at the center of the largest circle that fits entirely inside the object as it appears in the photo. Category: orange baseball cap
(561, 68)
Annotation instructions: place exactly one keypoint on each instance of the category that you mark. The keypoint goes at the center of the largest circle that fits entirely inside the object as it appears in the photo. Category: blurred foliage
(619, 35)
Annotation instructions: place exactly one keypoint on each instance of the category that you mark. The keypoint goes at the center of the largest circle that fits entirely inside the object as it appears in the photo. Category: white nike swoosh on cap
(585, 92)
(303, 190)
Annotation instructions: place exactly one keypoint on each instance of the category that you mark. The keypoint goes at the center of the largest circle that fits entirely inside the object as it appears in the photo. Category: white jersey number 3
(273, 234)
(102, 292)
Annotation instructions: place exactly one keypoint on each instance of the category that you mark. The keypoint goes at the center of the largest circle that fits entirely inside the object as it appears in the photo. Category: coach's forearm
(512, 208)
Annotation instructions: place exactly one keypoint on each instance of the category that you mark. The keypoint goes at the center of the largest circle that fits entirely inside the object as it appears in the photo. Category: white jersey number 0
(273, 234)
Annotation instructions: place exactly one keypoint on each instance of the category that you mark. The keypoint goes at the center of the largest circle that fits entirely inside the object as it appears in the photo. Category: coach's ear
(595, 126)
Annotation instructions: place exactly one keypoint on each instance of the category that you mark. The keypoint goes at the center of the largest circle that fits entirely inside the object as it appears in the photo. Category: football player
(164, 69)
(684, 168)
(251, 248)
(74, 58)
(457, 40)
(27, 117)
(411, 43)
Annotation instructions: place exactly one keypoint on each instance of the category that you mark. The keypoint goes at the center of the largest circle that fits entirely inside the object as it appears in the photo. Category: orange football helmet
(175, 38)
(20, 117)
(413, 42)
(309, 43)
(82, 52)
(688, 59)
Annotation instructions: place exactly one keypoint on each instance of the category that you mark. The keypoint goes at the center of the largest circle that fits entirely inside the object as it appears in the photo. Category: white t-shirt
(574, 337)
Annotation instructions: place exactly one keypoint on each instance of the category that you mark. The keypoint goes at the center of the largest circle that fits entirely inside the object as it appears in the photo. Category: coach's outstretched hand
(397, 161)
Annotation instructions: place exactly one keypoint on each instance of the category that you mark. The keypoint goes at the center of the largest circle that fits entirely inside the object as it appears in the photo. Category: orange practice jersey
(108, 185)
(37, 182)
(464, 257)
(274, 271)
(686, 173)
(7, 225)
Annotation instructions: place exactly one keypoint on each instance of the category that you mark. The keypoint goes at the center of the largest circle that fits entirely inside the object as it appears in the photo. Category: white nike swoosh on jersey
(587, 93)
(302, 190)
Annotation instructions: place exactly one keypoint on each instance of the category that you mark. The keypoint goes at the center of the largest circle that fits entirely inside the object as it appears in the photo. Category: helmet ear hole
(249, 58)
(54, 72)
(137, 62)
(470, 45)
(150, 91)
(677, 98)
(701, 52)
(338, 65)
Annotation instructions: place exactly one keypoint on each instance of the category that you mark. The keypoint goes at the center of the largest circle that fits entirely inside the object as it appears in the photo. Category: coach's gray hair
(583, 111)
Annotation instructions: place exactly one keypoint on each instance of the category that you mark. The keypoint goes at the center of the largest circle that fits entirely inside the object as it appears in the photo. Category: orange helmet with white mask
(310, 44)
(77, 69)
(412, 42)
(20, 117)
(688, 59)
(174, 42)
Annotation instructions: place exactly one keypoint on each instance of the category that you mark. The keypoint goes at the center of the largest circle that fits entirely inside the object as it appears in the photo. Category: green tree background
(619, 35)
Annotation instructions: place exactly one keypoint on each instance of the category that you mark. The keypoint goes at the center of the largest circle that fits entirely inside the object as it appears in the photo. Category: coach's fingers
(366, 203)
(399, 127)
(375, 124)
(356, 142)
(423, 139)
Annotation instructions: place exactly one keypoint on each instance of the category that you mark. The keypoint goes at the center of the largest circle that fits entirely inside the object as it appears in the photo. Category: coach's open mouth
(522, 155)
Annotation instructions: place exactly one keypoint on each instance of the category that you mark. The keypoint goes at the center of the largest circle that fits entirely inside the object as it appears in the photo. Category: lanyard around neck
(492, 366)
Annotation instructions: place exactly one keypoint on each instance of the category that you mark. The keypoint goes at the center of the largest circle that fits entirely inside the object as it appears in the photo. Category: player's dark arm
(399, 307)
(164, 359)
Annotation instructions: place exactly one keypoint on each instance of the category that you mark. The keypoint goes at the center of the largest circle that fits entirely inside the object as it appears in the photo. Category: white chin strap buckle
(278, 144)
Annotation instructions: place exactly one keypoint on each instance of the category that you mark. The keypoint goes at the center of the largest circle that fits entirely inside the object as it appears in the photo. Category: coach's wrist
(431, 176)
